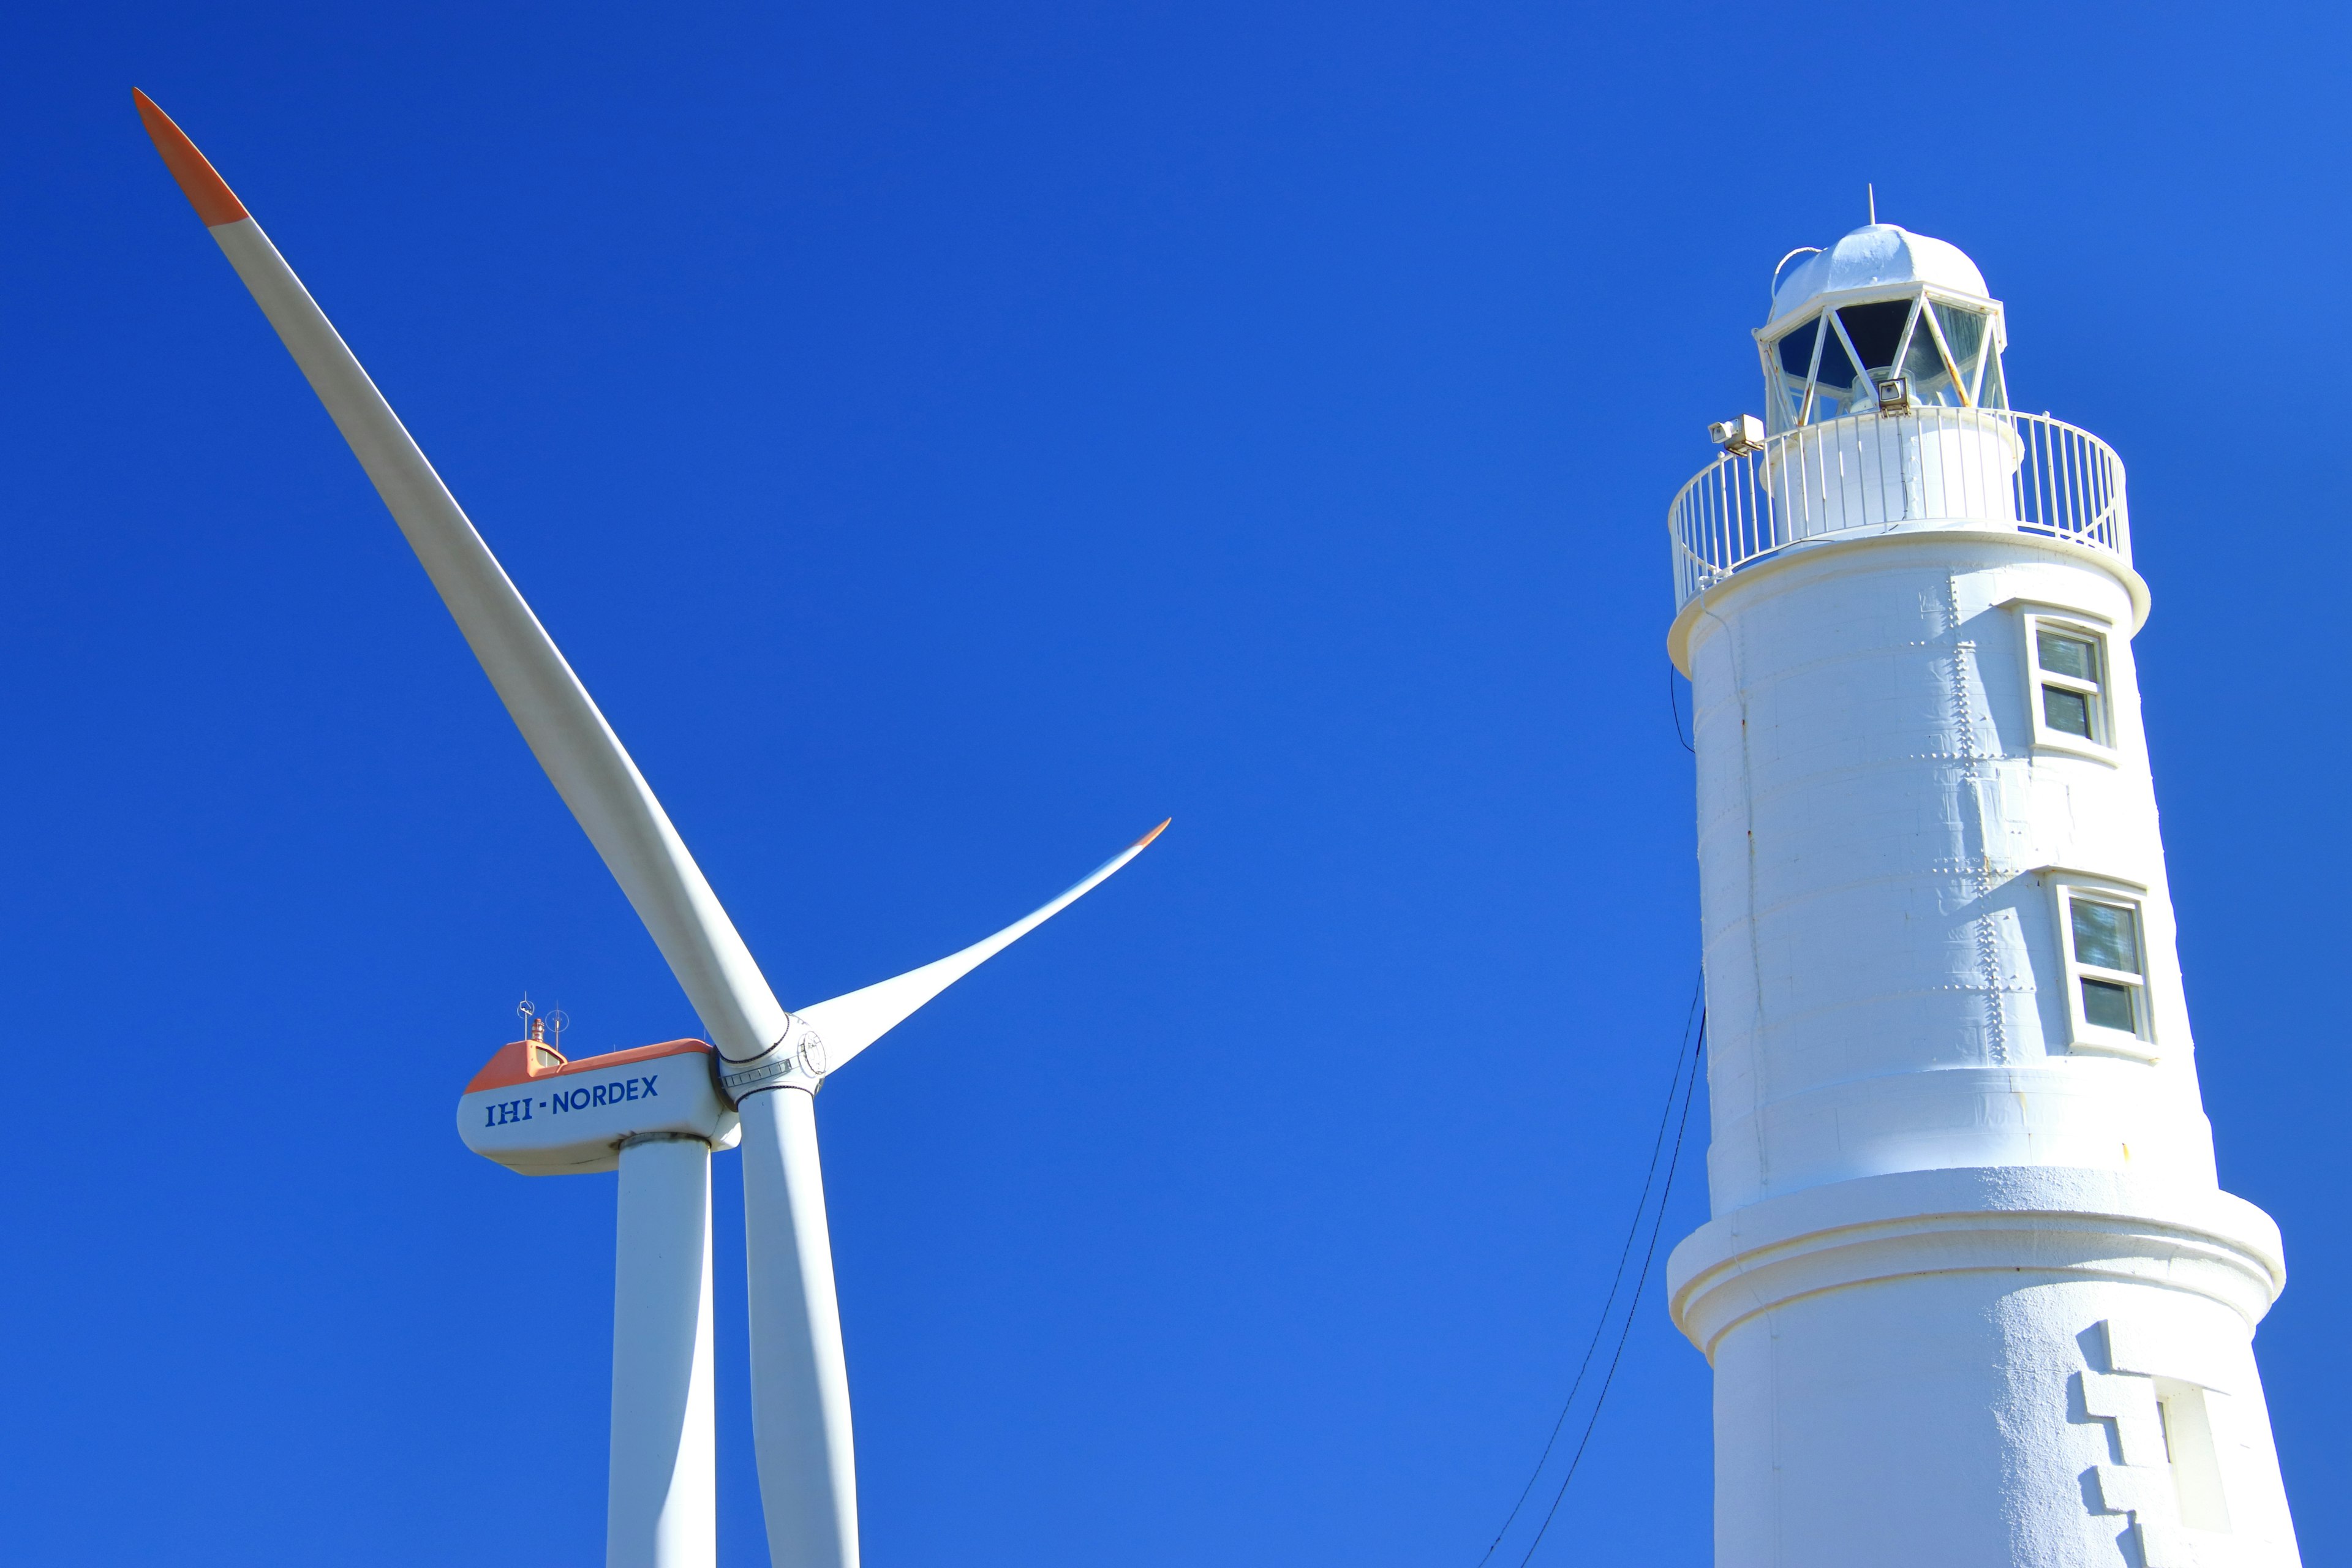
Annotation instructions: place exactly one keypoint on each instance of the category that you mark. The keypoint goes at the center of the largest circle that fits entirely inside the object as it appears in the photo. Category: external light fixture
(1744, 434)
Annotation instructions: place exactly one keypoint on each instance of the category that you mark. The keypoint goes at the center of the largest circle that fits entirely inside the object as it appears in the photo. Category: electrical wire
(1675, 709)
(1624, 1255)
(1689, 1093)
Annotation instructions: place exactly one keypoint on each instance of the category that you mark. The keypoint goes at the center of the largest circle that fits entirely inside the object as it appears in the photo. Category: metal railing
(1869, 472)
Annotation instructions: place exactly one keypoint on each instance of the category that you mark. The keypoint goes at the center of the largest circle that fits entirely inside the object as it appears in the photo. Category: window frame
(1973, 382)
(2139, 1043)
(1792, 415)
(1825, 307)
(1974, 379)
(2100, 633)
(2185, 1418)
(1923, 314)
(1861, 376)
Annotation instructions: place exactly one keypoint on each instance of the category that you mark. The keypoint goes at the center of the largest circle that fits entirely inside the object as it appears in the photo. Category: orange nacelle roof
(511, 1066)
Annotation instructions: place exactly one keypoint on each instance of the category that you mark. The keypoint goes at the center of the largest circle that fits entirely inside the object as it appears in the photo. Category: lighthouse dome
(1877, 254)
(1884, 319)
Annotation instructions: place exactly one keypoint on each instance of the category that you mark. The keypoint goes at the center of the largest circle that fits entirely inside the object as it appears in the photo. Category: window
(1840, 389)
(1925, 369)
(2106, 969)
(1965, 335)
(1794, 353)
(2190, 1449)
(2070, 683)
(1875, 330)
(2068, 661)
(1829, 365)
(1994, 391)
(2107, 948)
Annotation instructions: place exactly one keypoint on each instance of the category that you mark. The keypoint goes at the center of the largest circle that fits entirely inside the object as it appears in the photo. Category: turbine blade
(582, 757)
(854, 1020)
(808, 1484)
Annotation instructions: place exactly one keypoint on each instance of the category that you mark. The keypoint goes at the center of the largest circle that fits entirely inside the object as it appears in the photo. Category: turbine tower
(656, 1112)
(1971, 1291)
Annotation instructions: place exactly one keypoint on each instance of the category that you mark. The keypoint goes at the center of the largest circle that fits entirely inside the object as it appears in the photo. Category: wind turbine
(654, 1113)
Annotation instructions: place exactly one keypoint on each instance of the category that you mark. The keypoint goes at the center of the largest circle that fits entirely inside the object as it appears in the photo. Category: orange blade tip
(206, 190)
(1153, 834)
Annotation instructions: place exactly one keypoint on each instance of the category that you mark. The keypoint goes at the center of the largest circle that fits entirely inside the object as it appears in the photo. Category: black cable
(1601, 1398)
(1624, 1254)
(1675, 709)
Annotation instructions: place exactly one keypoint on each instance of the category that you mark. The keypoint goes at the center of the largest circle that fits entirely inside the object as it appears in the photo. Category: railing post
(1932, 463)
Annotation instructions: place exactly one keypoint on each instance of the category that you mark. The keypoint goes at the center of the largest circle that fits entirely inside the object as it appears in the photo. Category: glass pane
(1791, 395)
(1994, 394)
(2109, 1006)
(1929, 379)
(2068, 711)
(1876, 331)
(2063, 655)
(1797, 349)
(1964, 334)
(2106, 936)
(1840, 388)
(1792, 359)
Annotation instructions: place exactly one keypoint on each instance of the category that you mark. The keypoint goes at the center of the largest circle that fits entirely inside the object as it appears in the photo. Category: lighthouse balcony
(1922, 468)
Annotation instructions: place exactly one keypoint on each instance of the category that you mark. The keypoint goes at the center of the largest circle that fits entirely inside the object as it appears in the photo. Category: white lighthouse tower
(1971, 1291)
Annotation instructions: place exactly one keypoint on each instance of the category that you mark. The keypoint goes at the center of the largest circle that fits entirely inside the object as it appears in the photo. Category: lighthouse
(1971, 1289)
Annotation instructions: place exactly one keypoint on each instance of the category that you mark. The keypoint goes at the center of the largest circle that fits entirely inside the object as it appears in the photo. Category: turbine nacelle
(534, 1113)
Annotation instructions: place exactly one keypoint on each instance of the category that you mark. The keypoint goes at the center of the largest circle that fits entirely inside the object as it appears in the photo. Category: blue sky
(947, 440)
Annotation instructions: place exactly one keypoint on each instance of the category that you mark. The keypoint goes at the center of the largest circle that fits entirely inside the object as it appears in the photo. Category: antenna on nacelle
(544, 1053)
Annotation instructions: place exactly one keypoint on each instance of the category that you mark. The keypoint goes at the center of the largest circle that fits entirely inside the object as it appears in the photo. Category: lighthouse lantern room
(1882, 314)
(1971, 1289)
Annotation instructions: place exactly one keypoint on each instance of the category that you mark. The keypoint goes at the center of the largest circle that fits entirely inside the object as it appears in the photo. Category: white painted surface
(1875, 255)
(1927, 467)
(1941, 1418)
(1935, 1204)
(593, 773)
(800, 1380)
(801, 1393)
(1877, 828)
(850, 1023)
(574, 1125)
(662, 1502)
(582, 757)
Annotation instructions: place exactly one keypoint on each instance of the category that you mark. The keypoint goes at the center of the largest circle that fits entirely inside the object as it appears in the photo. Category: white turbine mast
(654, 1113)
